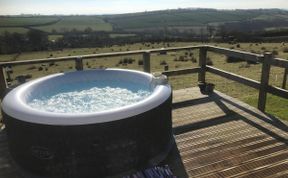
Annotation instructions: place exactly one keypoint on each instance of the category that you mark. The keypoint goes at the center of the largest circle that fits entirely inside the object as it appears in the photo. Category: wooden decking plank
(216, 165)
(252, 165)
(232, 150)
(216, 136)
(235, 136)
(265, 171)
(183, 115)
(211, 131)
(279, 174)
(235, 141)
(222, 155)
(210, 158)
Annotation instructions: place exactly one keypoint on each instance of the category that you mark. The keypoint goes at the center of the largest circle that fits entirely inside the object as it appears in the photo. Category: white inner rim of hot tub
(15, 102)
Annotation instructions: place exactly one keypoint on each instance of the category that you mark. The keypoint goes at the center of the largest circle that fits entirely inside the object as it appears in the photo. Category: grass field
(13, 30)
(275, 105)
(115, 35)
(53, 24)
(181, 19)
(54, 37)
(26, 21)
(79, 23)
(186, 17)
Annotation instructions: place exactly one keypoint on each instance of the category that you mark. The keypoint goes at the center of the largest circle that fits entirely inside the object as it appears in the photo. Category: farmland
(184, 59)
(13, 30)
(27, 21)
(179, 19)
(174, 18)
(53, 24)
(193, 19)
(78, 23)
(21, 24)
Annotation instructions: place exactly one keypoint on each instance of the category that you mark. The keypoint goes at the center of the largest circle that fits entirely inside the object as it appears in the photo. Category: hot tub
(88, 144)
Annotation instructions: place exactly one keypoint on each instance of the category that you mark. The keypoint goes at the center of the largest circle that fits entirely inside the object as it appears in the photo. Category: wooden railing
(263, 86)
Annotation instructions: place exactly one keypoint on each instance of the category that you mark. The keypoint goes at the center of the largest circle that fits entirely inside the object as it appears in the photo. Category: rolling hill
(179, 19)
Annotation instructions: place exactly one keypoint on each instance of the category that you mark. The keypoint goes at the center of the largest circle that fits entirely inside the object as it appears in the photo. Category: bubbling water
(89, 97)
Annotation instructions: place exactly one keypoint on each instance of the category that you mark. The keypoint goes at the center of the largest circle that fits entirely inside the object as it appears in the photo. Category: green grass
(54, 37)
(13, 30)
(181, 19)
(115, 35)
(79, 23)
(20, 21)
(53, 24)
(275, 105)
(186, 17)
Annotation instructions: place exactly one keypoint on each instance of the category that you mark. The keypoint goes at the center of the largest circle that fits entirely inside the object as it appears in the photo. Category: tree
(12, 43)
(88, 30)
(210, 29)
(222, 32)
(38, 40)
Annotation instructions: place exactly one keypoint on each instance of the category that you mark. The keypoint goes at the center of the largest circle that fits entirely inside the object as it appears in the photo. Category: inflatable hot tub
(88, 144)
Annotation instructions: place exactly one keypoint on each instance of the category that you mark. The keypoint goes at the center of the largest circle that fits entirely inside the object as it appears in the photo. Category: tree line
(35, 40)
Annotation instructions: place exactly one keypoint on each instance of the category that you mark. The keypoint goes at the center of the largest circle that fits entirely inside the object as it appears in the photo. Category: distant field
(186, 17)
(180, 19)
(26, 21)
(271, 17)
(275, 105)
(13, 30)
(79, 23)
(53, 24)
(54, 37)
(115, 35)
(20, 24)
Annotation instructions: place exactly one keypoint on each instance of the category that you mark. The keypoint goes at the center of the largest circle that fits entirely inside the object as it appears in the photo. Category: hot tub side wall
(91, 150)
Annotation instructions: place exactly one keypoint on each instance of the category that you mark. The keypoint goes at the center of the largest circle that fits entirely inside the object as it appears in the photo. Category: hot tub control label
(41, 153)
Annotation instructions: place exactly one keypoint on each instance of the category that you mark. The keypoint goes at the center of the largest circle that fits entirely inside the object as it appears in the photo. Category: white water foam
(88, 98)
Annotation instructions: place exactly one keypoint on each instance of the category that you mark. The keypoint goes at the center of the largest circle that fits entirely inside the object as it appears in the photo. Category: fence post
(202, 64)
(264, 81)
(3, 83)
(285, 78)
(79, 63)
(146, 62)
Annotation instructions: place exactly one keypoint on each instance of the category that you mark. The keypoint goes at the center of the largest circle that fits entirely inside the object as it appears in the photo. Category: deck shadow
(230, 113)
(174, 161)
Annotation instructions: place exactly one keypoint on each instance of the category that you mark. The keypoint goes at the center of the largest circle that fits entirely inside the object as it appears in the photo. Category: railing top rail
(237, 53)
(114, 54)
(247, 55)
(210, 47)
(280, 62)
(229, 52)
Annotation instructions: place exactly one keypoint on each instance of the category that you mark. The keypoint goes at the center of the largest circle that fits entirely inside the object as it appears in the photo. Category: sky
(47, 7)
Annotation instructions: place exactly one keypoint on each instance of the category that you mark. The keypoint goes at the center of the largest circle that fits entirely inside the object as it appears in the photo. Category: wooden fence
(267, 60)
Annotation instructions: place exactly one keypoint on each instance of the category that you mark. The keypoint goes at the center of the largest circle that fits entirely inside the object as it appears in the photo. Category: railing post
(264, 81)
(3, 83)
(202, 64)
(285, 78)
(146, 62)
(79, 63)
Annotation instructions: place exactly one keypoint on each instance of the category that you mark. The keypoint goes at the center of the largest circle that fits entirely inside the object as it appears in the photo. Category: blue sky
(124, 6)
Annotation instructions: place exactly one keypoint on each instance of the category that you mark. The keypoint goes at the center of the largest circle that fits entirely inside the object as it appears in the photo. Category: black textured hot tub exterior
(94, 150)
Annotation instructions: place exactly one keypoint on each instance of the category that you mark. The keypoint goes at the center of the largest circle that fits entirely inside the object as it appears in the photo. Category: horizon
(96, 7)
(188, 8)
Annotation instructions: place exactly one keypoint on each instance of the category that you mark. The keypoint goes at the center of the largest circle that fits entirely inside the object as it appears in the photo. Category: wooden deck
(216, 136)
